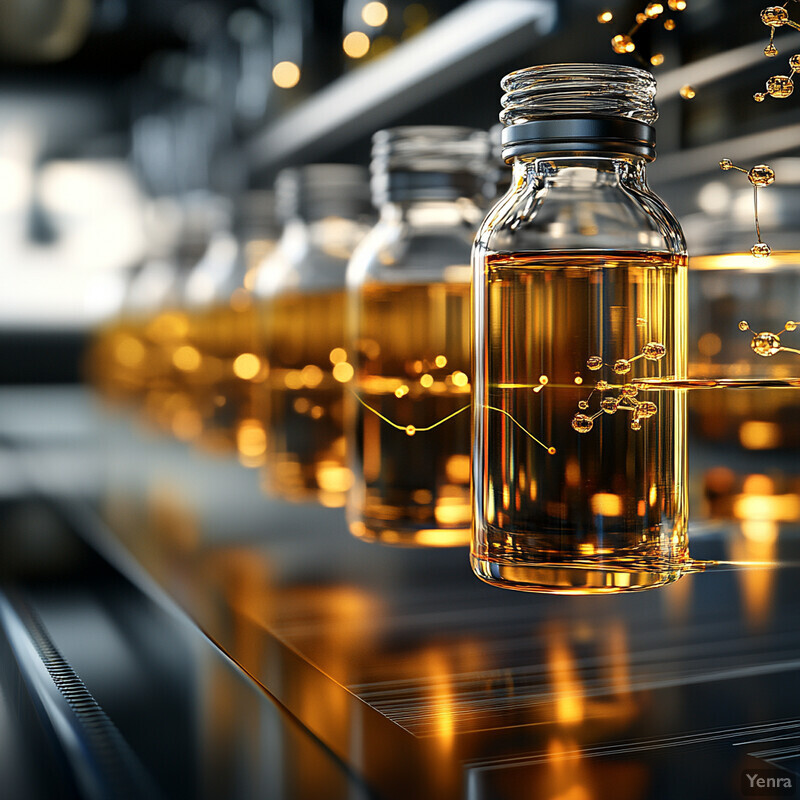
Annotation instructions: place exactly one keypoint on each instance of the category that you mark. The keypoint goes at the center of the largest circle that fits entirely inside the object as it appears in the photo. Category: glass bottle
(744, 332)
(299, 292)
(117, 362)
(579, 294)
(409, 287)
(170, 358)
(133, 359)
(500, 172)
(218, 360)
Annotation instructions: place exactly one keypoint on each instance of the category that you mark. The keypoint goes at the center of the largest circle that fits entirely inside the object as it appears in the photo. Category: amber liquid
(606, 511)
(167, 397)
(130, 359)
(302, 406)
(115, 360)
(411, 489)
(723, 291)
(216, 385)
(737, 433)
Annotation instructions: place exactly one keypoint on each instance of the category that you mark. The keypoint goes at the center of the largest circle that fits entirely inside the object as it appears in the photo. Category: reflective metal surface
(419, 680)
(178, 719)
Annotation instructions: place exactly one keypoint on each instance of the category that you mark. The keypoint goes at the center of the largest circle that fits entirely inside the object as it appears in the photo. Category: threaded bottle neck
(315, 191)
(585, 109)
(428, 163)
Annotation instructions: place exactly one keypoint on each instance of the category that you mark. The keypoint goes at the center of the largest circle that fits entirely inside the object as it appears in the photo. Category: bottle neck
(332, 237)
(410, 186)
(314, 227)
(428, 212)
(580, 171)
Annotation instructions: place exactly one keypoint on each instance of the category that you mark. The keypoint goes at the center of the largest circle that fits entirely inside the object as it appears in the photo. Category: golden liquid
(302, 406)
(127, 359)
(208, 371)
(607, 511)
(115, 360)
(168, 404)
(725, 290)
(742, 435)
(182, 367)
(412, 490)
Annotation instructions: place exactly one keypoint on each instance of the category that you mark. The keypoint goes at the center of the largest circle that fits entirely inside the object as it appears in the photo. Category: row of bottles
(316, 354)
(343, 356)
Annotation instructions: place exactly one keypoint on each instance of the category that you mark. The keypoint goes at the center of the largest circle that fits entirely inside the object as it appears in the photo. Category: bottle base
(400, 536)
(578, 578)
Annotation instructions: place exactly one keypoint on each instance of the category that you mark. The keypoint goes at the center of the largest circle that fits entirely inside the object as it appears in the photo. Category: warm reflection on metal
(419, 681)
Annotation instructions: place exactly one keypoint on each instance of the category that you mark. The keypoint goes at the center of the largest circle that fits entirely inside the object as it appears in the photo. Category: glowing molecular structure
(627, 398)
(766, 344)
(775, 17)
(413, 430)
(760, 175)
(780, 86)
(623, 43)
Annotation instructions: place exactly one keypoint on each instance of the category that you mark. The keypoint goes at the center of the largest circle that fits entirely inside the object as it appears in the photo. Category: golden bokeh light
(375, 14)
(187, 358)
(187, 424)
(129, 352)
(251, 439)
(416, 15)
(759, 434)
(343, 371)
(312, 375)
(337, 354)
(709, 344)
(356, 44)
(333, 477)
(246, 366)
(286, 74)
(607, 505)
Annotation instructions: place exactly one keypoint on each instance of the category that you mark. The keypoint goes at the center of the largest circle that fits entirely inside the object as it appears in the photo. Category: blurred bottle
(299, 292)
(216, 360)
(409, 287)
(169, 359)
(736, 432)
(116, 362)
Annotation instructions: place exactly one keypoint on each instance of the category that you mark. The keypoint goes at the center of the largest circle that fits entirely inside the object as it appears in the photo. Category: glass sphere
(774, 16)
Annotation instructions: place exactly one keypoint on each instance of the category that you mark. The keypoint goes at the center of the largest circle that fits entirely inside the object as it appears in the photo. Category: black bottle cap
(599, 136)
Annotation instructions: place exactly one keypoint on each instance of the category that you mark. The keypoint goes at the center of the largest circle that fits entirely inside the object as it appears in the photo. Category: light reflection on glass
(758, 543)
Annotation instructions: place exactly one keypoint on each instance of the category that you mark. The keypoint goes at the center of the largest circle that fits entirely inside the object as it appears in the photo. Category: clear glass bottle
(117, 363)
(409, 312)
(744, 438)
(169, 357)
(579, 292)
(500, 172)
(218, 361)
(300, 294)
(132, 360)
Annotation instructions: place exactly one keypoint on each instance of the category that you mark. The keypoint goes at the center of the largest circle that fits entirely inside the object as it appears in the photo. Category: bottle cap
(583, 109)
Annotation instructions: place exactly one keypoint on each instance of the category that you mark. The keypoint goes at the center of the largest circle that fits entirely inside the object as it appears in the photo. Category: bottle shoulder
(535, 217)
(307, 261)
(400, 251)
